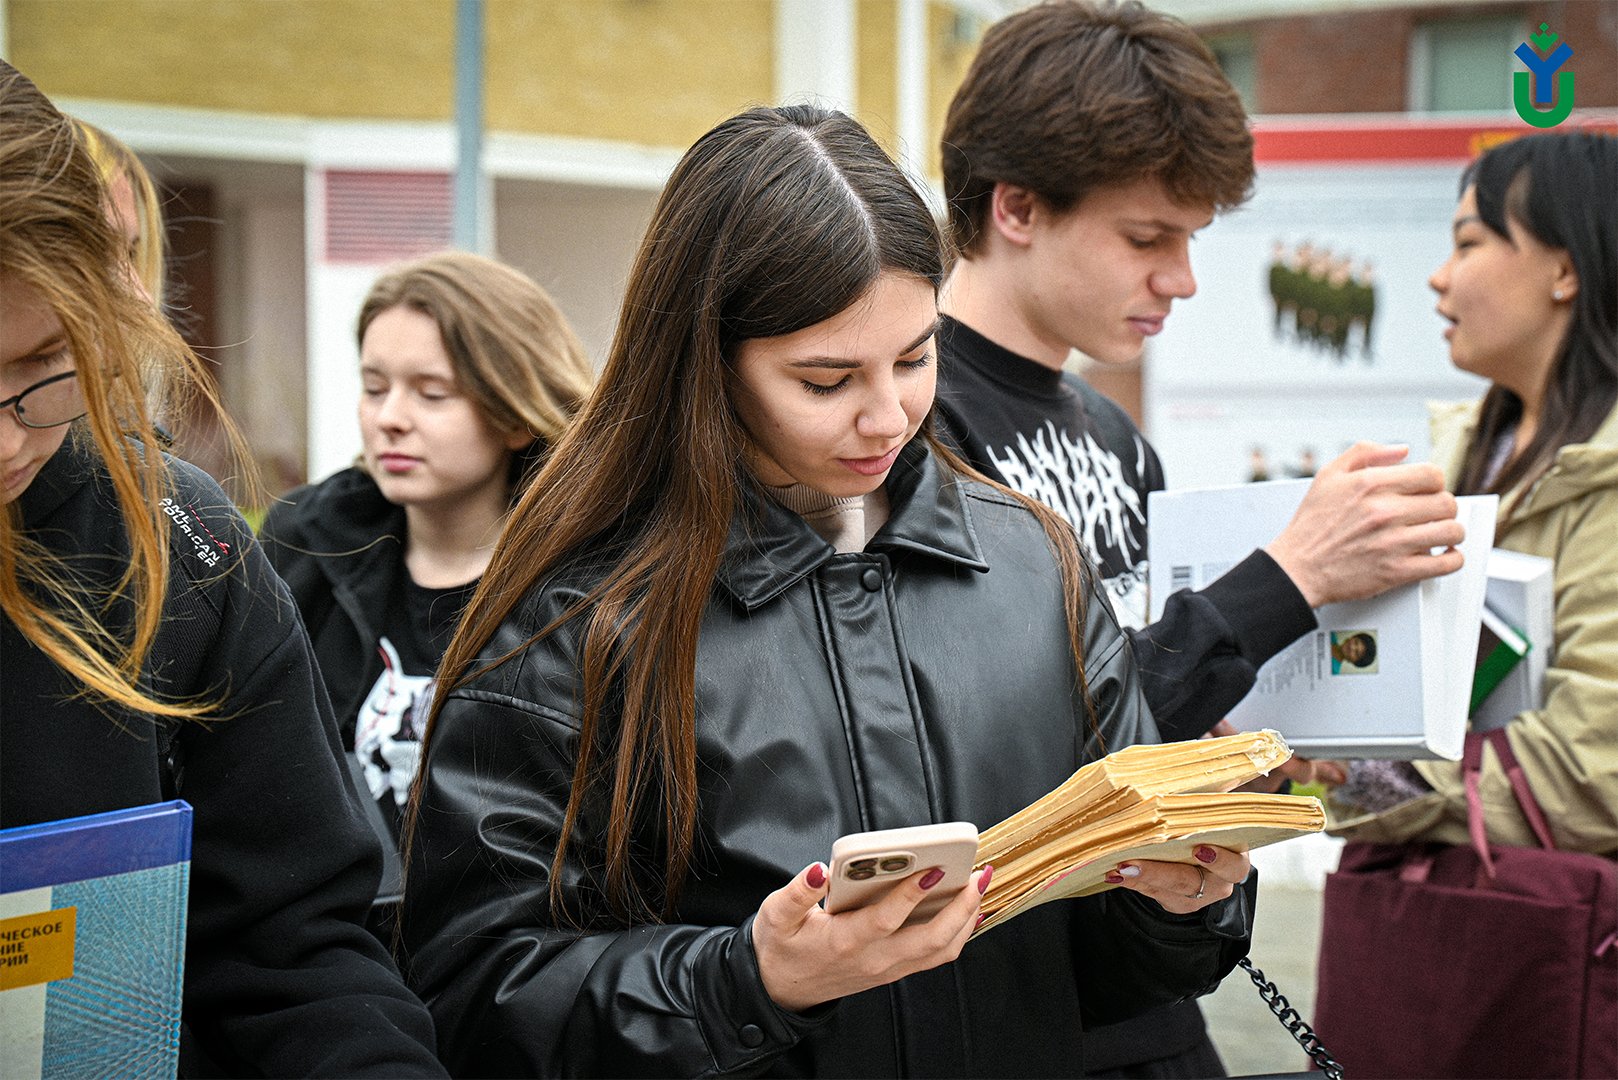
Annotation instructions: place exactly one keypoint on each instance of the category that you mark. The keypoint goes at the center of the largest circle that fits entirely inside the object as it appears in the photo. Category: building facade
(305, 145)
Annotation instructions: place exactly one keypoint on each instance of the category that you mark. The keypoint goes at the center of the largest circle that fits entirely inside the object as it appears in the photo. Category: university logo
(1544, 61)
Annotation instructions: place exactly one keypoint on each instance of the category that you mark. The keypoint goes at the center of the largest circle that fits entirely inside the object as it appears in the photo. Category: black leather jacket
(927, 678)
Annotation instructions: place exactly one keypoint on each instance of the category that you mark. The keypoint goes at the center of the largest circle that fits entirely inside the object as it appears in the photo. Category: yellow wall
(876, 68)
(655, 72)
(950, 57)
(658, 72)
(388, 59)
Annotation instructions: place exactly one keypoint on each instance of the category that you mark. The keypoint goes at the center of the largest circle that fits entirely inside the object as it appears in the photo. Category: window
(1235, 55)
(1463, 65)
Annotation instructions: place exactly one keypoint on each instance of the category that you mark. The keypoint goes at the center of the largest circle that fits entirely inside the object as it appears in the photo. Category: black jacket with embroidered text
(281, 977)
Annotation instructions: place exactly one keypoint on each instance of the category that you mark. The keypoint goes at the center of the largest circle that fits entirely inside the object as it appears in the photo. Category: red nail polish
(1114, 879)
(816, 877)
(931, 878)
(979, 922)
(983, 883)
(1204, 853)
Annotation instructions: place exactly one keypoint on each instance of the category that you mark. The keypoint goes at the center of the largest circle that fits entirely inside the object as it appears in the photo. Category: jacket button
(752, 1036)
(871, 579)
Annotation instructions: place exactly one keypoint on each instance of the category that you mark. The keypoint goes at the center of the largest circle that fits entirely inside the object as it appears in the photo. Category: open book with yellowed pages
(1153, 802)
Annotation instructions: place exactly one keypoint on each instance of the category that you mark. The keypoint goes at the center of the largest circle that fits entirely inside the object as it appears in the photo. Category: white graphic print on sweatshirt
(387, 735)
(1086, 483)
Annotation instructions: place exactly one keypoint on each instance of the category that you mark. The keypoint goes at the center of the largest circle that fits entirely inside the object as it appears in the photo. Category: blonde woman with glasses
(150, 652)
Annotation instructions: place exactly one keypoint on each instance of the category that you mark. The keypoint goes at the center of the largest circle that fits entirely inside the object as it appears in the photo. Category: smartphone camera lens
(861, 873)
(895, 863)
(862, 864)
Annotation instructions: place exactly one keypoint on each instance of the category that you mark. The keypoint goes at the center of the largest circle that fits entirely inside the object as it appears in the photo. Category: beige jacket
(1569, 748)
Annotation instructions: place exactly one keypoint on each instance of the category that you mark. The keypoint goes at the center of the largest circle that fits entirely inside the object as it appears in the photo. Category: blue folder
(92, 943)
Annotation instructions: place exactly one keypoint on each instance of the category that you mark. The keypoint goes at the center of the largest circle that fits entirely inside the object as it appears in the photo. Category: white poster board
(1313, 325)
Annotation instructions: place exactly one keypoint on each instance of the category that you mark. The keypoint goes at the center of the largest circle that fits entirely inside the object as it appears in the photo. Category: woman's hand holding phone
(808, 955)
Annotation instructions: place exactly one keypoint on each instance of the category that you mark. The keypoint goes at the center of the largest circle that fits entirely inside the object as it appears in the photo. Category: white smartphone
(864, 866)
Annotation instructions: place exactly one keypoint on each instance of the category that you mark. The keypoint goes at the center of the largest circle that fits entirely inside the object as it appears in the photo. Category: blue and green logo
(1544, 61)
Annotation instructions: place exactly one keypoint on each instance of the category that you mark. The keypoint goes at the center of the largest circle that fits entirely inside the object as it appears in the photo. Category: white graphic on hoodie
(387, 736)
(1086, 483)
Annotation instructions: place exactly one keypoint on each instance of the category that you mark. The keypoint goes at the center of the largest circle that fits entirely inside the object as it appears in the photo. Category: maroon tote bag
(1439, 960)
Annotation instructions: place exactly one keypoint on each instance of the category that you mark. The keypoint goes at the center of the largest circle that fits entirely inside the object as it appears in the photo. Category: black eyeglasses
(48, 403)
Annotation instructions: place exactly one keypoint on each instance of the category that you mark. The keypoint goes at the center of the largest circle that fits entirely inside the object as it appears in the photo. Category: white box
(1521, 590)
(1404, 697)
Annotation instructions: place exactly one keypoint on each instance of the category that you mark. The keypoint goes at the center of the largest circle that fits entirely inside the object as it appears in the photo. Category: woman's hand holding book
(1183, 888)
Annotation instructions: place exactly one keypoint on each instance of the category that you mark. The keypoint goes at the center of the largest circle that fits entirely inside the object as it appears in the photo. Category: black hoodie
(340, 547)
(281, 977)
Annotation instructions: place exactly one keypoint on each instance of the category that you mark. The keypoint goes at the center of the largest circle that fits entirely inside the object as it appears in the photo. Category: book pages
(1134, 772)
(1142, 802)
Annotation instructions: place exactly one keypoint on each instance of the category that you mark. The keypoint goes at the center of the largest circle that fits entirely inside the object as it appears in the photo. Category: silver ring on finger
(1202, 884)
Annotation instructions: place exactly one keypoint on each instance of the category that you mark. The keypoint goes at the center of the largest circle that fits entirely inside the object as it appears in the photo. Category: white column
(912, 86)
(332, 377)
(336, 289)
(814, 52)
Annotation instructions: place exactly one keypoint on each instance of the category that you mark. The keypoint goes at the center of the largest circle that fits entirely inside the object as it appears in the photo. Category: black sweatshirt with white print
(1054, 438)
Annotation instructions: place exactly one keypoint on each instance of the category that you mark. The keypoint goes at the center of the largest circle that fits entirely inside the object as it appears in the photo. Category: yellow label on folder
(37, 948)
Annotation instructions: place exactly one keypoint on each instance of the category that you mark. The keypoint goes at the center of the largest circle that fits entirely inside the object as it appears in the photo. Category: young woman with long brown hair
(469, 374)
(750, 604)
(150, 652)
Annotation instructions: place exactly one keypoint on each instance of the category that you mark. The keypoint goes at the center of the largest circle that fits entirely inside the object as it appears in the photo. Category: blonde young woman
(469, 373)
(150, 651)
(137, 212)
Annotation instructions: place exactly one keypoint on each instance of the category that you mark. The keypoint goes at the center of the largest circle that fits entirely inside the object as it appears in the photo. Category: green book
(1501, 647)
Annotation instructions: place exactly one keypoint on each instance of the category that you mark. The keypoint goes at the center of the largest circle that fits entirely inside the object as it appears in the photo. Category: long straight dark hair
(776, 220)
(1559, 187)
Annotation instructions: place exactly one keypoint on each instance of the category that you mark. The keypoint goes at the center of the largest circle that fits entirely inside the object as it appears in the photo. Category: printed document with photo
(1389, 677)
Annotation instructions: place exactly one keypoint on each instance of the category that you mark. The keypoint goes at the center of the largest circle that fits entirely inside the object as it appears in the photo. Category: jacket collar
(770, 548)
(347, 510)
(1578, 469)
(68, 470)
(356, 531)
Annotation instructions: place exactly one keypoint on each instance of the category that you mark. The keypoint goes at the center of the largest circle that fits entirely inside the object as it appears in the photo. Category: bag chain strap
(1294, 1022)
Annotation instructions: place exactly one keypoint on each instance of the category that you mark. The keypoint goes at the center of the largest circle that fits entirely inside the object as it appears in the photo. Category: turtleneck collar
(770, 547)
(804, 500)
(847, 523)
